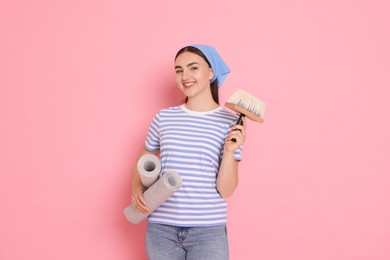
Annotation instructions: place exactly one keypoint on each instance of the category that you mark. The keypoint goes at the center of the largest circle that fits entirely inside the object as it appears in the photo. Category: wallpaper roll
(149, 168)
(155, 195)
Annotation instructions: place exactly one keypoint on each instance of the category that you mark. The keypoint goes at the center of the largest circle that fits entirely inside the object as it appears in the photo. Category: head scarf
(218, 66)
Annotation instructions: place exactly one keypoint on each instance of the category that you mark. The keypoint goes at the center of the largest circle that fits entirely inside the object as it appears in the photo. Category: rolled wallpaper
(149, 168)
(155, 195)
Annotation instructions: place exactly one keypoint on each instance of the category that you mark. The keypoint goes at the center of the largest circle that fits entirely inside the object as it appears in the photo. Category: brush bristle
(248, 102)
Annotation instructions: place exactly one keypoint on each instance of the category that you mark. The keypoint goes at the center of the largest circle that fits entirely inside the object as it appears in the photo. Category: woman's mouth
(188, 84)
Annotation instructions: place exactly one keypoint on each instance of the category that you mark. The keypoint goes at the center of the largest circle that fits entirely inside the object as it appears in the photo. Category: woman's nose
(185, 74)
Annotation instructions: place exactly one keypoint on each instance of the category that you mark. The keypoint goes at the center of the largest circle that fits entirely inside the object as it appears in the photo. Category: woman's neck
(201, 105)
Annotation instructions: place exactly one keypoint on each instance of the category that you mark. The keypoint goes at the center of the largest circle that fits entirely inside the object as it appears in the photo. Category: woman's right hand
(138, 201)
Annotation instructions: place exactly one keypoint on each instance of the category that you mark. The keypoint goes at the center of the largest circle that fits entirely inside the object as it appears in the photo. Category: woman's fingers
(238, 131)
(240, 128)
(238, 137)
(140, 204)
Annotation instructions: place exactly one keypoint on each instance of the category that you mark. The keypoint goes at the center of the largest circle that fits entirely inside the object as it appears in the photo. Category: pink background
(81, 80)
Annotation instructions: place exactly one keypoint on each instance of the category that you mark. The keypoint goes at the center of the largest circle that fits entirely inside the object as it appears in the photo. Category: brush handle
(239, 122)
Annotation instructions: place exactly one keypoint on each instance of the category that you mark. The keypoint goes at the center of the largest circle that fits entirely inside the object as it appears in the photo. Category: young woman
(195, 140)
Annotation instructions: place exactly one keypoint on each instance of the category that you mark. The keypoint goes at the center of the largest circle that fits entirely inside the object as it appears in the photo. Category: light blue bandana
(217, 64)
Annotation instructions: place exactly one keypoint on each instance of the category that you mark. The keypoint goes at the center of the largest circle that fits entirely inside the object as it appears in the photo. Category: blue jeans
(164, 242)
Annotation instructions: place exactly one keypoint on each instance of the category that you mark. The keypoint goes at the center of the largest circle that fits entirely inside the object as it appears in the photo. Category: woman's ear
(211, 74)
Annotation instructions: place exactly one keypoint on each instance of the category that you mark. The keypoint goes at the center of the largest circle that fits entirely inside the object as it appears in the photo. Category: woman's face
(193, 74)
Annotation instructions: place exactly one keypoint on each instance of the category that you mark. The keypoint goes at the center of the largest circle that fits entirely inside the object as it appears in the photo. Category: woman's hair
(214, 84)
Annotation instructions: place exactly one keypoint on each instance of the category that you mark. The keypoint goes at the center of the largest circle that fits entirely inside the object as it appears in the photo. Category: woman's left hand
(238, 132)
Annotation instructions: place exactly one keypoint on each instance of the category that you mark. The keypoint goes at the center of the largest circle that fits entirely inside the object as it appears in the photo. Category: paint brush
(246, 105)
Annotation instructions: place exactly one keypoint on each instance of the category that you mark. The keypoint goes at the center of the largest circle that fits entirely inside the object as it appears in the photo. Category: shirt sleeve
(152, 142)
(237, 154)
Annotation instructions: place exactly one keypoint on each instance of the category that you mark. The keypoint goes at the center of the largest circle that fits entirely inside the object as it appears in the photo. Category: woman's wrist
(228, 154)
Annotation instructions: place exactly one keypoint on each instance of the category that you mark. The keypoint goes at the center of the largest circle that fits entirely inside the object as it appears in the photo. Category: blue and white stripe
(191, 143)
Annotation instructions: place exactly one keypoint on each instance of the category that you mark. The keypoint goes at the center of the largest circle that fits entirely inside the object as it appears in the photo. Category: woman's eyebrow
(188, 65)
(192, 63)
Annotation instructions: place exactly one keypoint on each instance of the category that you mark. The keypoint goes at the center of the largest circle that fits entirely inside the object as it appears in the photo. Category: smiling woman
(197, 55)
(193, 139)
(193, 77)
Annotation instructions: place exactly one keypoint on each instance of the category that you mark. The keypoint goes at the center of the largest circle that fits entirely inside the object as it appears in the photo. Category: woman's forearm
(227, 179)
(135, 178)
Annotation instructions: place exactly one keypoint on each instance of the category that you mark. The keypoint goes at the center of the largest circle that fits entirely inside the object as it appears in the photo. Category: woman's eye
(194, 68)
(178, 71)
